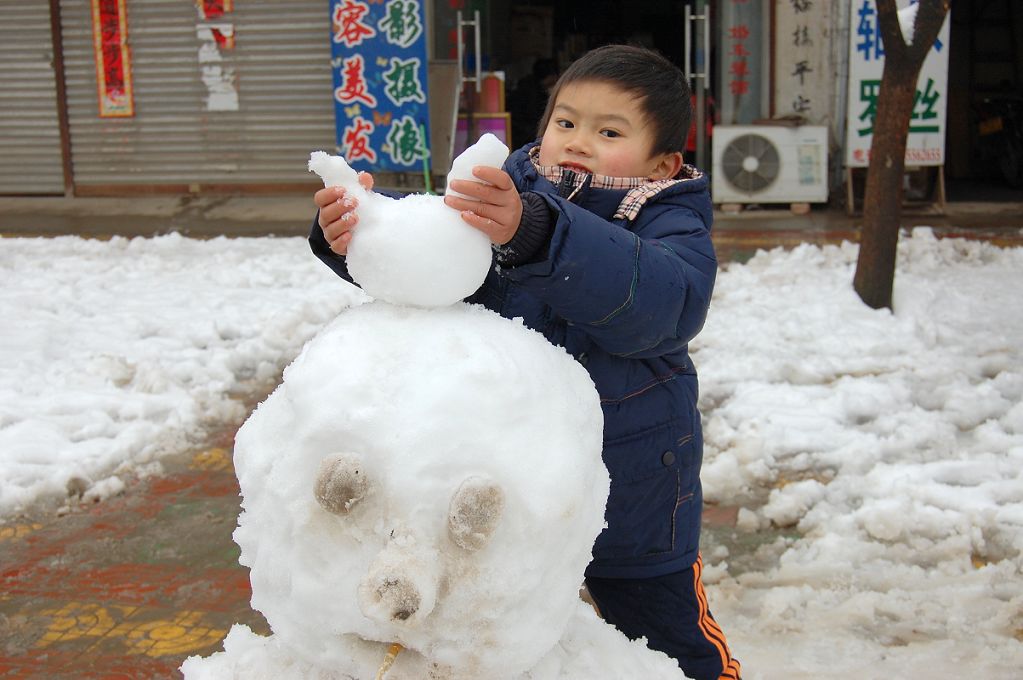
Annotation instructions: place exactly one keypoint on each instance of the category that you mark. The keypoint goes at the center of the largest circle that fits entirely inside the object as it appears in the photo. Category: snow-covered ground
(890, 444)
(885, 450)
(113, 353)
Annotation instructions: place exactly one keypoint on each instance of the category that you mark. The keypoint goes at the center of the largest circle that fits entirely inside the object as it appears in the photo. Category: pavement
(736, 236)
(128, 588)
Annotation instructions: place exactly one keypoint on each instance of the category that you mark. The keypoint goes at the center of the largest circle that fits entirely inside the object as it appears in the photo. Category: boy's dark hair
(661, 87)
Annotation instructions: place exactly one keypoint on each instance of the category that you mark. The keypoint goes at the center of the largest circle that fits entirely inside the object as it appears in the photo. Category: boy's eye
(611, 133)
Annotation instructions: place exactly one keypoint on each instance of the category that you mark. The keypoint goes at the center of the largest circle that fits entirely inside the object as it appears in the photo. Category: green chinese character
(401, 22)
(405, 142)
(928, 98)
(403, 83)
(868, 96)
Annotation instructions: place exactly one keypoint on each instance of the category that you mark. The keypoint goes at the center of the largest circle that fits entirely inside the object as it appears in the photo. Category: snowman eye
(475, 511)
(340, 482)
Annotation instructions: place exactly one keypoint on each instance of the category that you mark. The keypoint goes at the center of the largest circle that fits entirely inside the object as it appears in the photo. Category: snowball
(103, 489)
(465, 491)
(489, 150)
(414, 250)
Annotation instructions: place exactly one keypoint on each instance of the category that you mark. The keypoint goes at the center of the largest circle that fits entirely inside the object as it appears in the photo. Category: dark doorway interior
(534, 40)
(984, 147)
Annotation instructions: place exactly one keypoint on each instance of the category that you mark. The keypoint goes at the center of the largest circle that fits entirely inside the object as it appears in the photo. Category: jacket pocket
(651, 479)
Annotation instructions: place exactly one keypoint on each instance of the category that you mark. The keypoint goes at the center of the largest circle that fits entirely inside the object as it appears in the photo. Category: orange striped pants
(672, 613)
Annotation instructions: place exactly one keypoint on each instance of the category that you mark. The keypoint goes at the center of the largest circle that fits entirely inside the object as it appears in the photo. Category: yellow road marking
(184, 632)
(179, 635)
(211, 459)
(75, 621)
(18, 531)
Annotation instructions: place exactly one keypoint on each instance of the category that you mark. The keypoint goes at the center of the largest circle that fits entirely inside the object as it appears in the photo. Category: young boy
(602, 243)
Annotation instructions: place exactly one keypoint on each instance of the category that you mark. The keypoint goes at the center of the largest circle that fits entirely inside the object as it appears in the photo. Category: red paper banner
(214, 9)
(113, 60)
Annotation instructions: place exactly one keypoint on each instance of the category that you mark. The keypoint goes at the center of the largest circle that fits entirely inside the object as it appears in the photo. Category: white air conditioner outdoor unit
(770, 164)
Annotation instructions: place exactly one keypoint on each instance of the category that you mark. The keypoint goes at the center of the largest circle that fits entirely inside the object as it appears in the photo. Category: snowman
(422, 491)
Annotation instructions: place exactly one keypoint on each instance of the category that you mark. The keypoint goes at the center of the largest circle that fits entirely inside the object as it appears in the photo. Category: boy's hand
(337, 213)
(499, 208)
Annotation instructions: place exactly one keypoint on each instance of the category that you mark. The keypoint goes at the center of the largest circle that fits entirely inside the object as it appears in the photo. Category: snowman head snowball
(414, 250)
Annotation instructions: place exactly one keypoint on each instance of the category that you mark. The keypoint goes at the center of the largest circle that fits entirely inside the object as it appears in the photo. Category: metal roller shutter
(281, 64)
(30, 148)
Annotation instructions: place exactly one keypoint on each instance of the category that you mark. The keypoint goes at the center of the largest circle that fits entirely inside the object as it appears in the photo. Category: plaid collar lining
(639, 190)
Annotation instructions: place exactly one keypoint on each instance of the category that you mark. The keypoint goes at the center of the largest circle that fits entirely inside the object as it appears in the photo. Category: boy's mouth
(575, 167)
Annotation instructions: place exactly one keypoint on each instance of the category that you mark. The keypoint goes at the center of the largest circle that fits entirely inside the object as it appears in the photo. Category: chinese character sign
(926, 142)
(742, 73)
(378, 50)
(803, 76)
(113, 60)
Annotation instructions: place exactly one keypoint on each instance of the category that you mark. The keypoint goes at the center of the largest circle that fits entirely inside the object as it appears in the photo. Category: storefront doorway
(531, 43)
(985, 128)
(724, 49)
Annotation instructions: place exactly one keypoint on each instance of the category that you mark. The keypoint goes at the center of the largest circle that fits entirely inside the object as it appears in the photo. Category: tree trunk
(882, 200)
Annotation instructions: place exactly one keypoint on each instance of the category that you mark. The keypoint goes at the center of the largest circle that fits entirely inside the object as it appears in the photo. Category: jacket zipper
(567, 184)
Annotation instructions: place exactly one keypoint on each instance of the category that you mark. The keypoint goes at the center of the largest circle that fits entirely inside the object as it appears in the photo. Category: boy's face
(599, 128)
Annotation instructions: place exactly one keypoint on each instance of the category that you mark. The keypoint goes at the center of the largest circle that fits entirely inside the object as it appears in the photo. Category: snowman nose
(397, 596)
(400, 587)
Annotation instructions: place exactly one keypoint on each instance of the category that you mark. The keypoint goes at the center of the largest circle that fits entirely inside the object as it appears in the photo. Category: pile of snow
(887, 447)
(117, 352)
(883, 449)
(588, 649)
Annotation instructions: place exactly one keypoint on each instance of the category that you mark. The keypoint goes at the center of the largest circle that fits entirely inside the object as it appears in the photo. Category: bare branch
(891, 30)
(929, 18)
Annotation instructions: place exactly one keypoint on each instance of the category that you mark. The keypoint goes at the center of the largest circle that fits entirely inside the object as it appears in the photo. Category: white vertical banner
(216, 44)
(802, 70)
(742, 61)
(926, 142)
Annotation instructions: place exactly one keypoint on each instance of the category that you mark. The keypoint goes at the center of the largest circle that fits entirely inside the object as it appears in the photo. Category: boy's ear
(667, 165)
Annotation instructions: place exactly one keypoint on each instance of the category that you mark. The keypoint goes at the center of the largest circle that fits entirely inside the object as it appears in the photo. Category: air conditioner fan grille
(750, 163)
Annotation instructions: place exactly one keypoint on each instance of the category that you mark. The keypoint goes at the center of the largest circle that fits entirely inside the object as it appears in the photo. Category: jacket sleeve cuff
(533, 236)
(321, 249)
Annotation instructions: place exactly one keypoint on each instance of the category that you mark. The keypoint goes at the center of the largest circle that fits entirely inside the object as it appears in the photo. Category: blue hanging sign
(378, 57)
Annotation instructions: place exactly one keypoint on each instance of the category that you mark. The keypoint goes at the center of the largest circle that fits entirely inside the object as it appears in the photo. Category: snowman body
(427, 475)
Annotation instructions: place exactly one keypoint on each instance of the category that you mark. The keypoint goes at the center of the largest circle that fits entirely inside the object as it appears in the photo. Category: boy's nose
(578, 147)
(578, 144)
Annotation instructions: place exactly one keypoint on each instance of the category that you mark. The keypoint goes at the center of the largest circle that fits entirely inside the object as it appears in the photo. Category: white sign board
(803, 79)
(926, 142)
